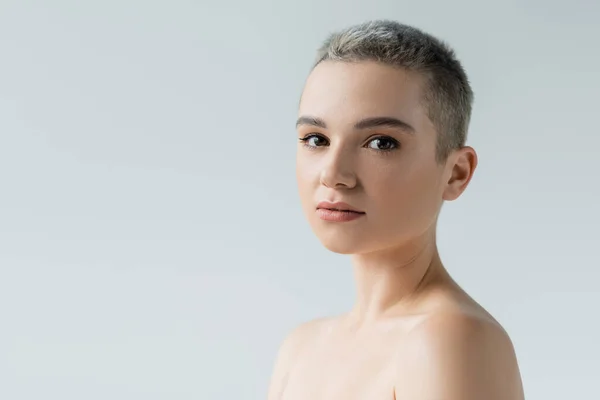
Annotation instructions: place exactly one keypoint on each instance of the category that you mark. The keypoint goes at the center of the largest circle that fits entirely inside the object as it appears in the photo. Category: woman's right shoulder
(307, 332)
(290, 348)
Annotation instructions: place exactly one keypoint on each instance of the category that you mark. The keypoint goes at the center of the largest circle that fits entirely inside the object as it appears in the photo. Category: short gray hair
(448, 96)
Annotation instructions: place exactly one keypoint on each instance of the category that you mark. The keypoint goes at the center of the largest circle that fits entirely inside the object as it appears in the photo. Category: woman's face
(388, 171)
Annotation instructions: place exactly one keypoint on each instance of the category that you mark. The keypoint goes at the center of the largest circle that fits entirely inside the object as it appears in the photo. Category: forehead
(345, 92)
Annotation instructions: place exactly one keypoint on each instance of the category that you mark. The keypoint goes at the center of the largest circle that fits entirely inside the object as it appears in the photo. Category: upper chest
(338, 367)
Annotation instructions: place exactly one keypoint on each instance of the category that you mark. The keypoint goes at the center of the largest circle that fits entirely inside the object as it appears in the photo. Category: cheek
(307, 178)
(406, 198)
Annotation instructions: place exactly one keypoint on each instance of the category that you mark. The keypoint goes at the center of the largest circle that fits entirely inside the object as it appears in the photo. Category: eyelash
(383, 151)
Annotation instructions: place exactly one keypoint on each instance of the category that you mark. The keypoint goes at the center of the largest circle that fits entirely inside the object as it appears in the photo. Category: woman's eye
(382, 143)
(313, 141)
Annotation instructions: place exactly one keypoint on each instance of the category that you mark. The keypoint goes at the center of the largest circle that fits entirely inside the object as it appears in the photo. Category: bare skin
(413, 333)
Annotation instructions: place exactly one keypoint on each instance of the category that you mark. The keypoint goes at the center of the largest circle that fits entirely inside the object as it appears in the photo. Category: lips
(341, 210)
(338, 206)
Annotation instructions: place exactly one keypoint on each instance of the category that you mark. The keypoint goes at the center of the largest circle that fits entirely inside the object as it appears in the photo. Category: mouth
(338, 214)
(341, 210)
(338, 206)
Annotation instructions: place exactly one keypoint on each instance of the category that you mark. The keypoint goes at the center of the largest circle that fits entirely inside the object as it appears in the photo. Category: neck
(389, 281)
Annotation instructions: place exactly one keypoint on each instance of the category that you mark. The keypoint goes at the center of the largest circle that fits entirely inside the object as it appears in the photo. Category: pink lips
(338, 211)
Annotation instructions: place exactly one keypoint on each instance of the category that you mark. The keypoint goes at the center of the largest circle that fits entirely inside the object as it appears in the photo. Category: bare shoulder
(304, 333)
(456, 354)
(289, 349)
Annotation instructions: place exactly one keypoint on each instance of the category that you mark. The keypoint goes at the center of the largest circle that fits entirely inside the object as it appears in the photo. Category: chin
(340, 248)
(343, 244)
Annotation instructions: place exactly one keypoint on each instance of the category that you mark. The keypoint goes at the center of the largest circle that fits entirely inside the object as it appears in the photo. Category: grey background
(152, 245)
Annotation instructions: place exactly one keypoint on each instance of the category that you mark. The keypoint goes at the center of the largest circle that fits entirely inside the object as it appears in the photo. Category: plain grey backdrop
(152, 245)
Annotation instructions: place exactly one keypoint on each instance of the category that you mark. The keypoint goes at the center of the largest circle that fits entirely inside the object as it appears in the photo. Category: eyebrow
(373, 122)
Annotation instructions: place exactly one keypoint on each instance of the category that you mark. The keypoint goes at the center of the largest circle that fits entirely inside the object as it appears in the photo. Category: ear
(461, 165)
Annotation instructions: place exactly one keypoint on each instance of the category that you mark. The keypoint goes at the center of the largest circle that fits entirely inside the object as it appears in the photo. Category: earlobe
(463, 166)
(451, 192)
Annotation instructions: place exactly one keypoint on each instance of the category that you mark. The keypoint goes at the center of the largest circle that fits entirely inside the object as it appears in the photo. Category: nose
(338, 170)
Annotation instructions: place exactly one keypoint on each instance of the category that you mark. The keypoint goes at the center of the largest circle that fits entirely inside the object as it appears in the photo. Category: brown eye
(313, 141)
(383, 144)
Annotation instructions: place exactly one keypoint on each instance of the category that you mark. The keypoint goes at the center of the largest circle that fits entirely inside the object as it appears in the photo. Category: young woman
(382, 125)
